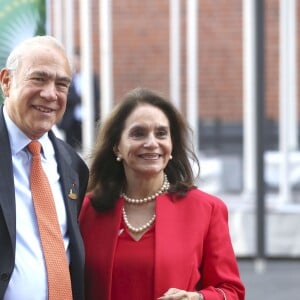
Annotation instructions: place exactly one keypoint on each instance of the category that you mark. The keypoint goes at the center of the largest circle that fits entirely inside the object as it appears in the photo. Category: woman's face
(145, 145)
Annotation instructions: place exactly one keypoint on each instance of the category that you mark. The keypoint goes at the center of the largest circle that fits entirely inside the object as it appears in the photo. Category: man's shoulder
(65, 150)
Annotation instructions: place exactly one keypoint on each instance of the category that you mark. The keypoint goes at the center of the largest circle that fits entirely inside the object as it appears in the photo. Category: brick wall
(141, 52)
(141, 45)
(220, 56)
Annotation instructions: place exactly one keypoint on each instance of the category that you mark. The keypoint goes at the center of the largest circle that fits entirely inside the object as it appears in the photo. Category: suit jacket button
(4, 276)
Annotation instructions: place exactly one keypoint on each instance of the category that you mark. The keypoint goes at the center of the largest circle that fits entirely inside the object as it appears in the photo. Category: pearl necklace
(137, 229)
(163, 189)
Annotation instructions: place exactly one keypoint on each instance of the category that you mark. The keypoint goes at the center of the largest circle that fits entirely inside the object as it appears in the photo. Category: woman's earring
(118, 158)
(171, 156)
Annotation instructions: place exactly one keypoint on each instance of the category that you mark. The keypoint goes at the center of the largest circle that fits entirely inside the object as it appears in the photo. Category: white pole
(57, 20)
(106, 57)
(48, 17)
(293, 65)
(175, 82)
(69, 27)
(87, 74)
(192, 68)
(249, 94)
(287, 92)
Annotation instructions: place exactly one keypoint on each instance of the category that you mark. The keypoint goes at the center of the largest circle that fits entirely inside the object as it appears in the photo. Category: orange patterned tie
(59, 283)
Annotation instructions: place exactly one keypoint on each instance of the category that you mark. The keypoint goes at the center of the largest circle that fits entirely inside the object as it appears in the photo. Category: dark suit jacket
(73, 174)
(67, 121)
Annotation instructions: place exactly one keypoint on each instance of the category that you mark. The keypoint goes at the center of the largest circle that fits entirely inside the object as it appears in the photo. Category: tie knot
(34, 147)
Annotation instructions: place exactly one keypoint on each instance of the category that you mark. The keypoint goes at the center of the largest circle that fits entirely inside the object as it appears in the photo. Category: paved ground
(279, 281)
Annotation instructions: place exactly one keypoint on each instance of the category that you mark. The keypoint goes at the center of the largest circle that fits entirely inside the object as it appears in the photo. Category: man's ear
(5, 81)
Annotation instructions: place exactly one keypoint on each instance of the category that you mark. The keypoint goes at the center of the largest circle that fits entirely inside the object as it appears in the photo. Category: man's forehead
(50, 57)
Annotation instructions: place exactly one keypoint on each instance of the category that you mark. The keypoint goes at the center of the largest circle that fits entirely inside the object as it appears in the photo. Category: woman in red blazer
(149, 233)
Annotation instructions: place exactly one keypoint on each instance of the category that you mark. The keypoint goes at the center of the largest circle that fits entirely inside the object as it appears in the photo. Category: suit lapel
(68, 178)
(172, 244)
(7, 190)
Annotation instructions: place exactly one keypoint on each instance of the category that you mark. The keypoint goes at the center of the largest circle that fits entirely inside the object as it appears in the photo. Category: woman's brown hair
(107, 177)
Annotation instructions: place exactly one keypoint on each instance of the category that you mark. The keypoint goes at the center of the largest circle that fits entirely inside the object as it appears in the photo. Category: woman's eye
(137, 133)
(162, 133)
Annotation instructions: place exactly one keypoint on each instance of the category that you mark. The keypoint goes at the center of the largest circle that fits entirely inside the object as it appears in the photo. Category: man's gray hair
(14, 58)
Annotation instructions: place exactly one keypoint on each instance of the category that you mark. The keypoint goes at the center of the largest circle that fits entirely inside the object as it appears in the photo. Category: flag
(19, 20)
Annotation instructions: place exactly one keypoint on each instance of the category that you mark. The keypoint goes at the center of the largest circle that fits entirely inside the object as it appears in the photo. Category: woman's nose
(151, 141)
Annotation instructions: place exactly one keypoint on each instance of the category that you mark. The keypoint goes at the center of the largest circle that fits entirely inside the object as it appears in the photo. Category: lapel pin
(72, 195)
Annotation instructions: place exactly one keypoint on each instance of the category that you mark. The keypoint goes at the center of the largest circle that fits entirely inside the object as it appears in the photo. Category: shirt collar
(19, 141)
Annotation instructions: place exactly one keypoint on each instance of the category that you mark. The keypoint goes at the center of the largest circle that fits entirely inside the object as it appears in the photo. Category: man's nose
(49, 91)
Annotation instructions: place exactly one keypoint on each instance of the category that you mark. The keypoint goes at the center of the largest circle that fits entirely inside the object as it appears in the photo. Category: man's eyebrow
(65, 79)
(48, 75)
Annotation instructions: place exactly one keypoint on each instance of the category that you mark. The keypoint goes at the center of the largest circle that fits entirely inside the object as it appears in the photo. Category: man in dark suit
(35, 84)
(71, 122)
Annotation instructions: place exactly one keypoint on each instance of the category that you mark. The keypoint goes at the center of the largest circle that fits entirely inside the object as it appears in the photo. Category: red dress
(133, 268)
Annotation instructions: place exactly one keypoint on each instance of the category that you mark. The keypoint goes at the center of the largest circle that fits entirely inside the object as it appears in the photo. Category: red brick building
(141, 53)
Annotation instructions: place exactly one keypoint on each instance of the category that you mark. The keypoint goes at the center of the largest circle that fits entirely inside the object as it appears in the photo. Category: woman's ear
(115, 150)
(117, 154)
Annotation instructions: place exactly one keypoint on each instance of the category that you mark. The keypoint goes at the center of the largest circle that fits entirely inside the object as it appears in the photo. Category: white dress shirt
(29, 278)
